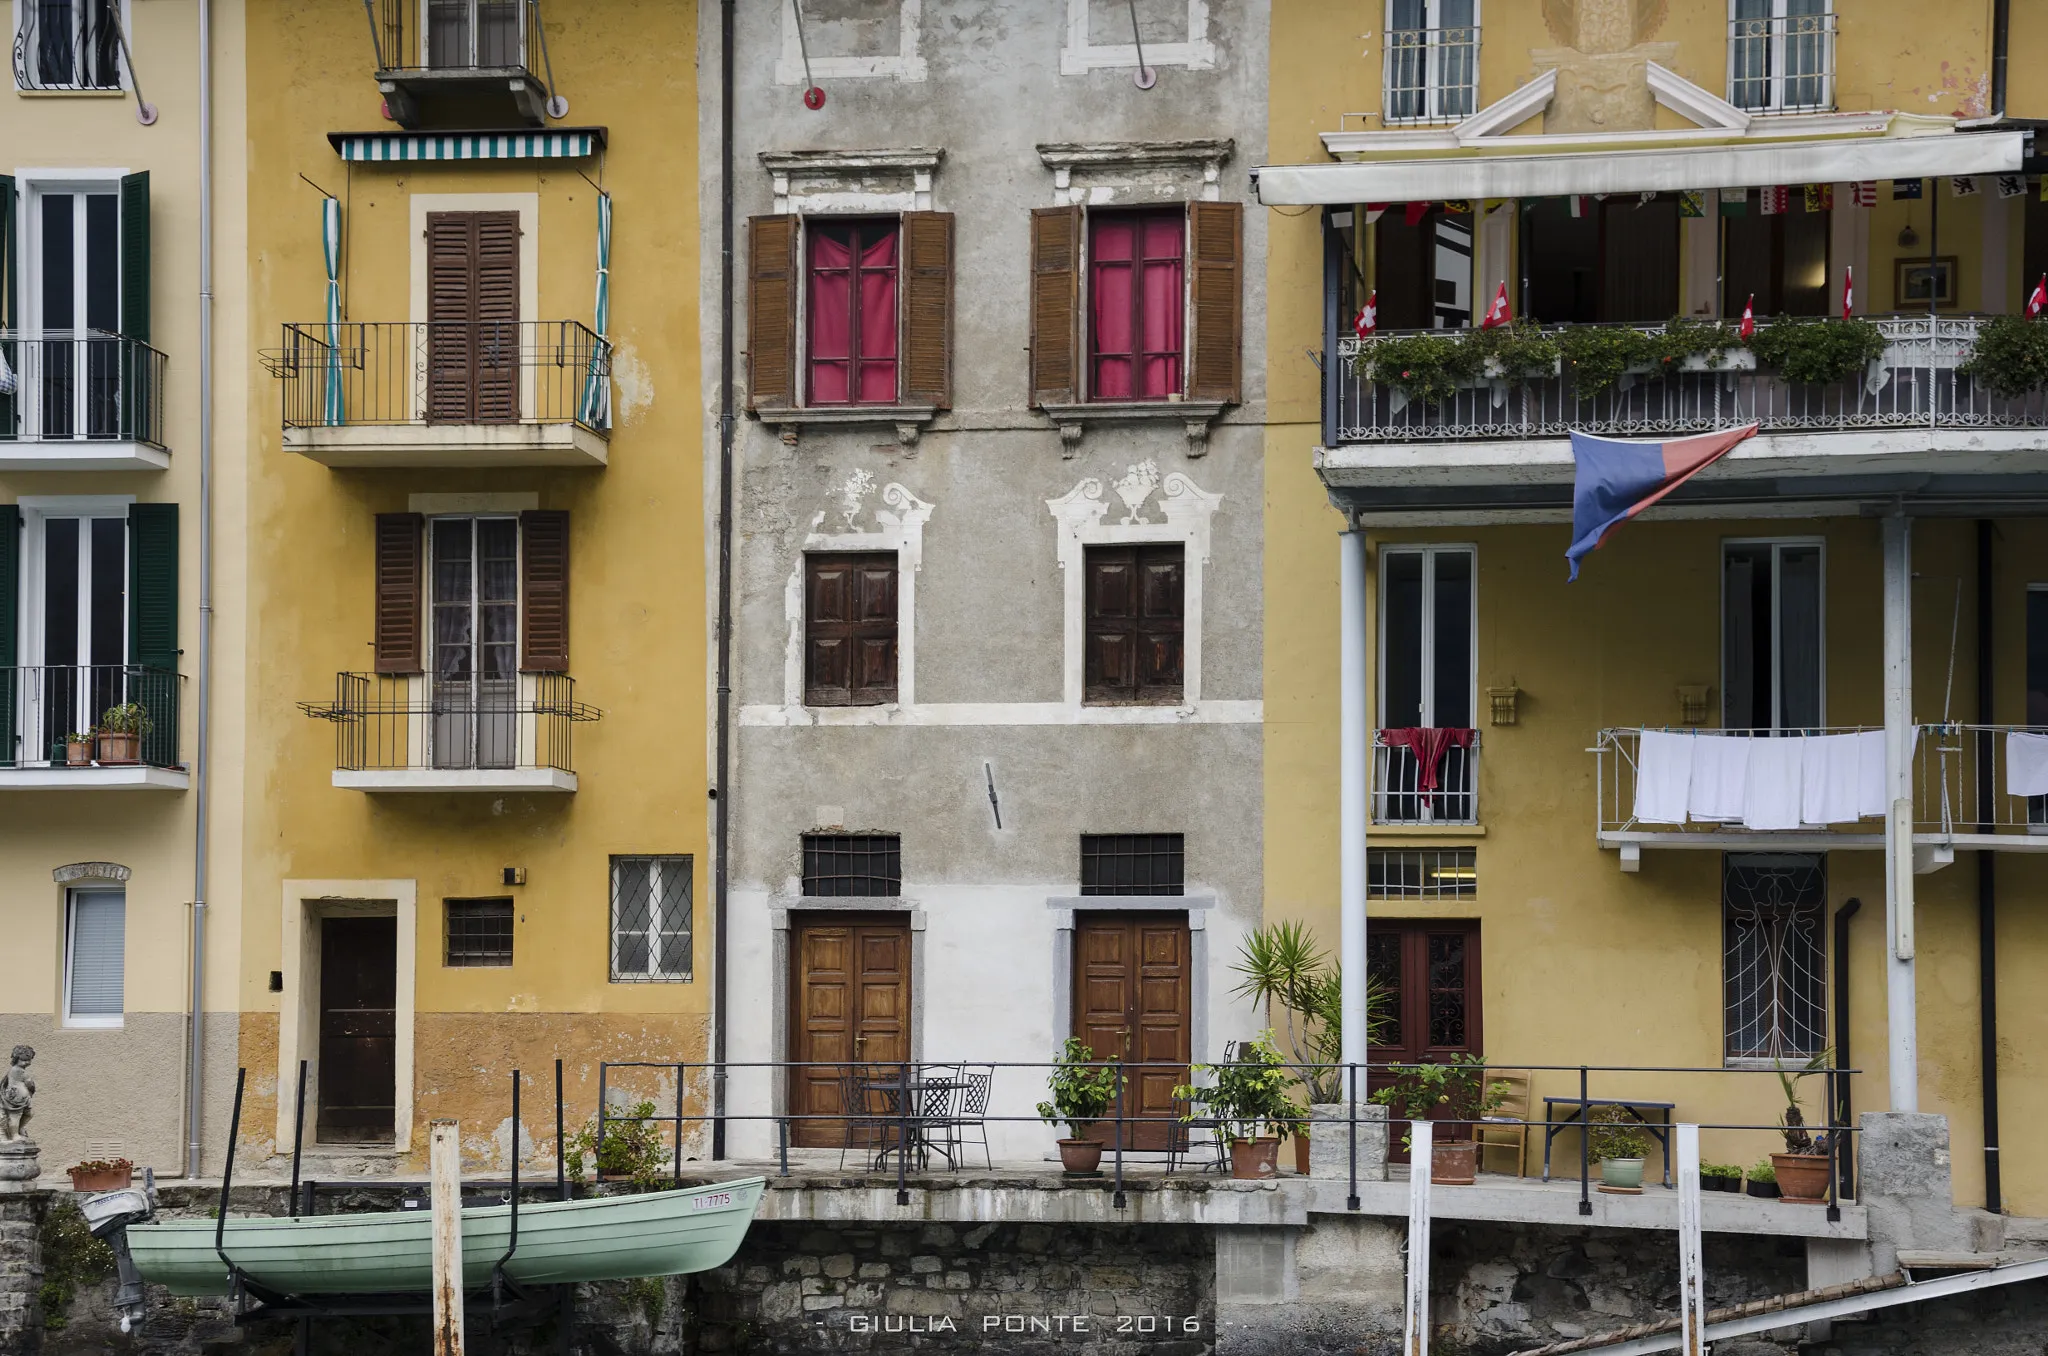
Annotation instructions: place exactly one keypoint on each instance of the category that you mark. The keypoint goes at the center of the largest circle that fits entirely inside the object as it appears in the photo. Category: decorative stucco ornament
(1603, 76)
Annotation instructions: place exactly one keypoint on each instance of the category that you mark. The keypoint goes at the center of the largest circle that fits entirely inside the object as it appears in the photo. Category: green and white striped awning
(568, 143)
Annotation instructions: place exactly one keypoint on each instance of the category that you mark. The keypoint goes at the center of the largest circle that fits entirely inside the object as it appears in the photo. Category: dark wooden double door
(358, 1030)
(1132, 985)
(849, 1005)
(1429, 969)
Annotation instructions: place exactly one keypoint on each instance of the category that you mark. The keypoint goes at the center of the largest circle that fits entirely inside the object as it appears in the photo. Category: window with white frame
(95, 935)
(67, 44)
(1772, 622)
(1432, 61)
(1426, 765)
(651, 899)
(1781, 55)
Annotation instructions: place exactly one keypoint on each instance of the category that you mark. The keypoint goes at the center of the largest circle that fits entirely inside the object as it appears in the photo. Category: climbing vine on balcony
(2010, 356)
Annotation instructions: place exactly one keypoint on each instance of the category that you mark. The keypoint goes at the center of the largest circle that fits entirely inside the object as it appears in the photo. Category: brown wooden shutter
(1055, 305)
(473, 317)
(1135, 627)
(544, 591)
(497, 317)
(850, 629)
(771, 312)
(1216, 287)
(400, 574)
(928, 309)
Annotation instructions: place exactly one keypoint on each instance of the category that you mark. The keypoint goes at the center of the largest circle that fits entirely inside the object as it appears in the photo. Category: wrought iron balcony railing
(488, 50)
(1782, 65)
(67, 45)
(1432, 74)
(395, 723)
(401, 372)
(93, 386)
(1916, 383)
(1399, 795)
(42, 706)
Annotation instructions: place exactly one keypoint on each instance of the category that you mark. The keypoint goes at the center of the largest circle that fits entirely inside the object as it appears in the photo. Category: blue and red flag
(1616, 480)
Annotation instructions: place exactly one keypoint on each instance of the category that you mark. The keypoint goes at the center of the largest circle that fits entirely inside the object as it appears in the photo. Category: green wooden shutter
(10, 626)
(153, 586)
(10, 304)
(135, 256)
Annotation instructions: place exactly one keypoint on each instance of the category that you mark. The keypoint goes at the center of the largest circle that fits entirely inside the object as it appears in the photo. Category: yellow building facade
(108, 204)
(1614, 164)
(478, 701)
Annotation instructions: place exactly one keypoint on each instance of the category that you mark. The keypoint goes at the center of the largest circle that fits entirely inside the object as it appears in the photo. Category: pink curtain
(1136, 296)
(851, 325)
(830, 321)
(877, 367)
(1159, 374)
(1112, 261)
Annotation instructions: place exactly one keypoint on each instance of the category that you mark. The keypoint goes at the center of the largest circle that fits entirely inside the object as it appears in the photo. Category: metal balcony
(409, 734)
(81, 402)
(464, 63)
(43, 706)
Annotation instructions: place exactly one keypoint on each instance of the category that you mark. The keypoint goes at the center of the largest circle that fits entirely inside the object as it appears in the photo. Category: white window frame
(1774, 83)
(1429, 550)
(93, 1021)
(1433, 85)
(1080, 54)
(1777, 545)
(33, 186)
(431, 664)
(655, 863)
(36, 511)
(123, 81)
(475, 30)
(1084, 379)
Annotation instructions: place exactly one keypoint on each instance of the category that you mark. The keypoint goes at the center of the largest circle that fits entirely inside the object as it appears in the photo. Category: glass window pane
(60, 590)
(1452, 622)
(109, 590)
(59, 263)
(1745, 637)
(103, 262)
(1401, 645)
(97, 952)
(2037, 656)
(1799, 638)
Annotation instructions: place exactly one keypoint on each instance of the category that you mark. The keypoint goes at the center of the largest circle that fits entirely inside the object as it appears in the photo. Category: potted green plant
(1455, 1092)
(1720, 1177)
(101, 1174)
(78, 748)
(1249, 1103)
(631, 1151)
(1801, 1172)
(1621, 1144)
(1763, 1180)
(1083, 1090)
(120, 733)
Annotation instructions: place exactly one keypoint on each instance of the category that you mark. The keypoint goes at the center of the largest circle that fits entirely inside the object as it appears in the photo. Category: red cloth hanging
(1429, 744)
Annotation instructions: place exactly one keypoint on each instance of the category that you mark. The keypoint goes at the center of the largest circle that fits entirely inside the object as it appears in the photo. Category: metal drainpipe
(722, 789)
(2001, 41)
(195, 1052)
(1844, 1106)
(1987, 879)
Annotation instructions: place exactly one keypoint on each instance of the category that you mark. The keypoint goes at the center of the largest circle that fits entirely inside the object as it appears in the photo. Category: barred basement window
(651, 922)
(1133, 863)
(479, 931)
(1774, 956)
(853, 864)
(1421, 873)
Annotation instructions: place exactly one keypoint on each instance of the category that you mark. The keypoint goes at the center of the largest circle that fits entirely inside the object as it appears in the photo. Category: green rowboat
(660, 1233)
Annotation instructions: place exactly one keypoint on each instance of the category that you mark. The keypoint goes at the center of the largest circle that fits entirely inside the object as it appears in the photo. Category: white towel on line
(1831, 786)
(1720, 776)
(2026, 764)
(1663, 776)
(1771, 797)
(1871, 799)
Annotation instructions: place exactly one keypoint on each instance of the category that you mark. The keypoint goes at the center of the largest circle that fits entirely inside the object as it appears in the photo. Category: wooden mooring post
(444, 1160)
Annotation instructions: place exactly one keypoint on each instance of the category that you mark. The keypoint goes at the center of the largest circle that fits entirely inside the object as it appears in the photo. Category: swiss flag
(1748, 329)
(1368, 322)
(1848, 291)
(2038, 302)
(1497, 314)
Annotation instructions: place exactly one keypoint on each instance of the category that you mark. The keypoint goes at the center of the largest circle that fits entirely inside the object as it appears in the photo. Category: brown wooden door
(1131, 999)
(1430, 969)
(849, 1003)
(472, 317)
(358, 1029)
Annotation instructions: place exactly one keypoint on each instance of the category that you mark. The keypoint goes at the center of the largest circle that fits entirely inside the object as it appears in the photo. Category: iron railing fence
(1398, 794)
(1915, 384)
(422, 372)
(1431, 74)
(390, 722)
(1555, 1101)
(42, 705)
(459, 35)
(95, 387)
(1784, 64)
(67, 45)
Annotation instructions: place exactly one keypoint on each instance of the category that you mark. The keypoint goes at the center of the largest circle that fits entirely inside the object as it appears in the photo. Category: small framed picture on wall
(1919, 281)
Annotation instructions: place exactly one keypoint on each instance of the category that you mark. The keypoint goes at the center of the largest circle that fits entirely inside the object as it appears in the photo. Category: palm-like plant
(1283, 964)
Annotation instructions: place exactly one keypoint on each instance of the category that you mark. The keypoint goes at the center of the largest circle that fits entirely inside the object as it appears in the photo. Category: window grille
(479, 932)
(1781, 56)
(651, 919)
(1421, 873)
(1133, 863)
(853, 864)
(1432, 61)
(1774, 956)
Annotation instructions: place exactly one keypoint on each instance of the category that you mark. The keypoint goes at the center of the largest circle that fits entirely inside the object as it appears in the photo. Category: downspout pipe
(2001, 43)
(1844, 1105)
(1987, 877)
(195, 1024)
(722, 786)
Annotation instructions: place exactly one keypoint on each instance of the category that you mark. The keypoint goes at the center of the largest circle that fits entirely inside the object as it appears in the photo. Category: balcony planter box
(1081, 1157)
(1732, 360)
(1255, 1160)
(119, 748)
(1802, 1178)
(113, 1175)
(78, 753)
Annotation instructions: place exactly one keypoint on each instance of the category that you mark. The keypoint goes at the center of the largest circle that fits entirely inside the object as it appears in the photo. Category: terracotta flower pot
(1081, 1156)
(87, 1181)
(78, 753)
(1802, 1178)
(1301, 1153)
(1253, 1160)
(1454, 1164)
(119, 748)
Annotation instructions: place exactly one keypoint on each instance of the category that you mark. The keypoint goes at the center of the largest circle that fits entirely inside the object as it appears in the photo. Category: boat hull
(659, 1233)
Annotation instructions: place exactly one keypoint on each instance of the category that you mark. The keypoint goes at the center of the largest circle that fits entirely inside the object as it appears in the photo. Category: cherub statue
(17, 1090)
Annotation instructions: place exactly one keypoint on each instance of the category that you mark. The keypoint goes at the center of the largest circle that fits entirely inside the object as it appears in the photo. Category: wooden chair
(1506, 1127)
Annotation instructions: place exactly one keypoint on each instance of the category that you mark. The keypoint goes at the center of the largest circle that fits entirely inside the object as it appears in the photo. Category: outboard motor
(108, 1214)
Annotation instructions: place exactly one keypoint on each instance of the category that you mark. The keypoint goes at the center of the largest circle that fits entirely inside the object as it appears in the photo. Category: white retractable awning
(1740, 165)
